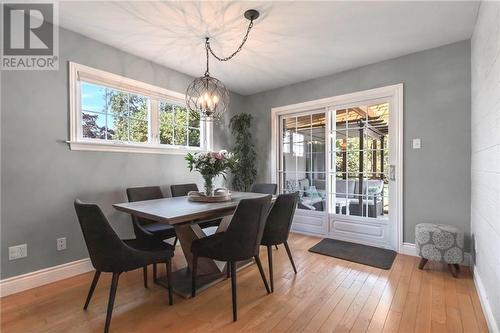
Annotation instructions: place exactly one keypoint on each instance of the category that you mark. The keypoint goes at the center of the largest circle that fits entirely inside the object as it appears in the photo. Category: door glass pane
(360, 185)
(303, 159)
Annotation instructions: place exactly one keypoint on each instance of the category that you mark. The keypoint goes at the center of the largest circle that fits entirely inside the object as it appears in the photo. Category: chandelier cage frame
(207, 95)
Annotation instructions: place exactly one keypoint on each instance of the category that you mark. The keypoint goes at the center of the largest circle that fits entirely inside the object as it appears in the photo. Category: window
(114, 113)
(178, 126)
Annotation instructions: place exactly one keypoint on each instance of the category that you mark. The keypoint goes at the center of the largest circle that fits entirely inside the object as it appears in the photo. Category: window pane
(166, 124)
(117, 102)
(93, 125)
(139, 130)
(93, 97)
(117, 128)
(194, 119)
(194, 137)
(181, 122)
(138, 107)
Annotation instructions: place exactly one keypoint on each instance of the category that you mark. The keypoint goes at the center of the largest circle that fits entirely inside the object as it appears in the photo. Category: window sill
(130, 148)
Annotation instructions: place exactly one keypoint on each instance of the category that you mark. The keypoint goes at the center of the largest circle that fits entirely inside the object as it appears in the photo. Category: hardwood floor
(327, 295)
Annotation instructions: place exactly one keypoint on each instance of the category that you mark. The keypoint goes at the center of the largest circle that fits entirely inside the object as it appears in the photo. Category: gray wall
(40, 175)
(436, 109)
(485, 135)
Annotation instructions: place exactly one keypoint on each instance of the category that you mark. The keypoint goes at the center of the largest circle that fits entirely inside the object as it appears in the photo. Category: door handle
(392, 172)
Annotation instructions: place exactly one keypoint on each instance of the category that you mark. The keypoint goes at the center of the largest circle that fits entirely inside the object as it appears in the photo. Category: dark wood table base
(181, 279)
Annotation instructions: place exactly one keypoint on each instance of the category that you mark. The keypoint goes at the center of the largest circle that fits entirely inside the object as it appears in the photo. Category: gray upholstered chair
(108, 253)
(241, 241)
(148, 230)
(264, 188)
(278, 224)
(144, 228)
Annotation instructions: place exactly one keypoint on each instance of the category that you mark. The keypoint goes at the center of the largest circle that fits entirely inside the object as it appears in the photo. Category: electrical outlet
(61, 244)
(417, 143)
(18, 251)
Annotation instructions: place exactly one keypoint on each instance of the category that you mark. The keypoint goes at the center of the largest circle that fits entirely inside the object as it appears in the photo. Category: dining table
(185, 215)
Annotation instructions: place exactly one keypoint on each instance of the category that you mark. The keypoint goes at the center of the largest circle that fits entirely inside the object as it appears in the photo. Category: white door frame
(395, 94)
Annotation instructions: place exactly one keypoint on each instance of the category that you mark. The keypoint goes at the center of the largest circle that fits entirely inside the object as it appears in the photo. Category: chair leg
(111, 301)
(270, 260)
(92, 288)
(175, 241)
(290, 256)
(193, 276)
(228, 270)
(233, 291)
(155, 273)
(145, 274)
(422, 263)
(169, 280)
(262, 275)
(276, 246)
(453, 270)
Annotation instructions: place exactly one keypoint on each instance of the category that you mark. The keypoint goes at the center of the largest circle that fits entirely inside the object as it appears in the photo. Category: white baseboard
(411, 250)
(35, 279)
(485, 304)
(48, 275)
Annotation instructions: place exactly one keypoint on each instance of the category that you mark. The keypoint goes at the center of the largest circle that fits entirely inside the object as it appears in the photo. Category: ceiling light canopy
(207, 95)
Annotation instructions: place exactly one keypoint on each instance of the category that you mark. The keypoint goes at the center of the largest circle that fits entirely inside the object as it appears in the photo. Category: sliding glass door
(343, 159)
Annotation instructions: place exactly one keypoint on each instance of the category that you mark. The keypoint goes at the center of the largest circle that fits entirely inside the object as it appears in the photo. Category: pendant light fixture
(206, 95)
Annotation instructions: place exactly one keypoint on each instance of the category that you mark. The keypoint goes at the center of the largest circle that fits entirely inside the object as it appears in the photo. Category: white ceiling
(290, 42)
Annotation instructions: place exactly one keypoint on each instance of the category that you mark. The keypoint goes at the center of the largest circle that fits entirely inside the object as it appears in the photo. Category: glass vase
(209, 185)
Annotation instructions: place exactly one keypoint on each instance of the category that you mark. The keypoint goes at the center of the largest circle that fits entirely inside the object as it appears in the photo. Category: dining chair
(182, 190)
(239, 242)
(264, 188)
(146, 229)
(277, 229)
(109, 254)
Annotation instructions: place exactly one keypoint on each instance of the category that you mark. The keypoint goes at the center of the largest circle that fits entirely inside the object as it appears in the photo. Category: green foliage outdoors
(353, 150)
(127, 120)
(244, 172)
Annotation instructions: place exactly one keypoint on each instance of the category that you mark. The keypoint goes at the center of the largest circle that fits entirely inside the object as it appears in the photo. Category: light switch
(417, 144)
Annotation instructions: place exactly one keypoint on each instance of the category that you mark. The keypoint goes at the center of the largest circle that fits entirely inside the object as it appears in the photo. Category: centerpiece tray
(220, 196)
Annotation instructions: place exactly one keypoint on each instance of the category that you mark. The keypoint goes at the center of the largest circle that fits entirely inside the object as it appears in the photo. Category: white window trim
(77, 72)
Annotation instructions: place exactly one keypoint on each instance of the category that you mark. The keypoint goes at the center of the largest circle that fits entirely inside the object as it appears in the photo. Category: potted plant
(210, 165)
(244, 172)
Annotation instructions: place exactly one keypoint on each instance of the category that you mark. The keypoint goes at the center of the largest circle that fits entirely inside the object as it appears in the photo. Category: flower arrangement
(210, 165)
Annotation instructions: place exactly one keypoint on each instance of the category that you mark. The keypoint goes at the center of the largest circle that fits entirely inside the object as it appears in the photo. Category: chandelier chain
(207, 46)
(207, 72)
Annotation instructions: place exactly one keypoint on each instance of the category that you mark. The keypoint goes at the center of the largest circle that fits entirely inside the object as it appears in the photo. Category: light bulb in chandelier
(208, 103)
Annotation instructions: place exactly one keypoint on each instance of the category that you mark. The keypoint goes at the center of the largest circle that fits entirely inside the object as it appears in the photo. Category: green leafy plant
(244, 172)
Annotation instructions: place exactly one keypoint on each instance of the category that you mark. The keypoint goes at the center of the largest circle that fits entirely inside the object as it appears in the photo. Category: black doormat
(362, 254)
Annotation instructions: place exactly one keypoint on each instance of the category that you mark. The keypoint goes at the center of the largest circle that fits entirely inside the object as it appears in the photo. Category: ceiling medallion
(207, 95)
